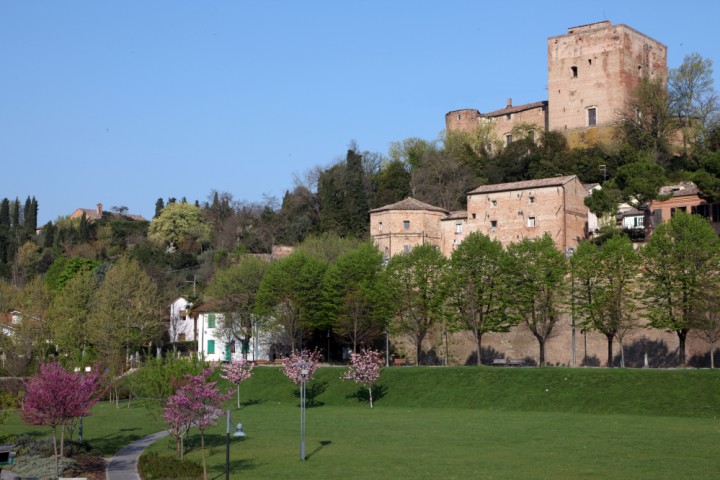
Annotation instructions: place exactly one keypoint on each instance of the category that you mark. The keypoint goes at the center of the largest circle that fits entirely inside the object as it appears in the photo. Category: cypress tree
(356, 203)
(159, 205)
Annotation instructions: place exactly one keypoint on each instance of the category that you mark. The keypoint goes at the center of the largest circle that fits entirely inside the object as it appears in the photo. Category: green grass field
(464, 422)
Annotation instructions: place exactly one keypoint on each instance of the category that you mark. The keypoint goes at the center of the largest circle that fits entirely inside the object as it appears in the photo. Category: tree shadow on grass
(217, 472)
(363, 396)
(313, 389)
(251, 402)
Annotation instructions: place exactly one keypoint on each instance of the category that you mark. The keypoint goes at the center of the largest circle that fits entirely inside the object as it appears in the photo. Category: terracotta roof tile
(514, 109)
(409, 204)
(524, 185)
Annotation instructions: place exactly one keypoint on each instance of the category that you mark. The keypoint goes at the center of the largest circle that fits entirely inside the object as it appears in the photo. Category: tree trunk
(712, 356)
(55, 450)
(238, 395)
(370, 394)
(478, 347)
(202, 452)
(610, 338)
(682, 335)
(541, 344)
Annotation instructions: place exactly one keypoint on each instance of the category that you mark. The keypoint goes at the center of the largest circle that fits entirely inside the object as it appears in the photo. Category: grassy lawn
(465, 422)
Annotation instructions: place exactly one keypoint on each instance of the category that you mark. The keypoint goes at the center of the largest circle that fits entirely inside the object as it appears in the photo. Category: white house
(181, 327)
(214, 344)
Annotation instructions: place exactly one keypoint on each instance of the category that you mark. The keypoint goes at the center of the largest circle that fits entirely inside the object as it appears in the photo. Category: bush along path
(123, 466)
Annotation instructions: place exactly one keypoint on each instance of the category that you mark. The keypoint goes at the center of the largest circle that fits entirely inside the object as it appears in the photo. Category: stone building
(401, 226)
(592, 71)
(507, 212)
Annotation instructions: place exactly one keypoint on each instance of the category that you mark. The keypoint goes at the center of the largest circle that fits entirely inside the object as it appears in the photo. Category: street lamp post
(569, 252)
(238, 433)
(304, 371)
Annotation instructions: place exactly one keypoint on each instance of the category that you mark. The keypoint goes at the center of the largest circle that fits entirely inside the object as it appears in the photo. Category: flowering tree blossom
(364, 369)
(237, 372)
(292, 367)
(54, 397)
(197, 402)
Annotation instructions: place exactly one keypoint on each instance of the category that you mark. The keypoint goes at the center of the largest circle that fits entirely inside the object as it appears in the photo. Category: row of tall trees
(483, 287)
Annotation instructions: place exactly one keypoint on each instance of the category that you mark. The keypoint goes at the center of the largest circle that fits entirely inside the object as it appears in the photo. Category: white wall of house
(182, 325)
(213, 347)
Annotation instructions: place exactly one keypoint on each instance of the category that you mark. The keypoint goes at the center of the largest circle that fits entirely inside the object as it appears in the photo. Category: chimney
(509, 104)
(99, 209)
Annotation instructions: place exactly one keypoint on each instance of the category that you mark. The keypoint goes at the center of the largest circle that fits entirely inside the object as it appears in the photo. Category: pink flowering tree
(365, 369)
(196, 403)
(297, 362)
(237, 372)
(54, 397)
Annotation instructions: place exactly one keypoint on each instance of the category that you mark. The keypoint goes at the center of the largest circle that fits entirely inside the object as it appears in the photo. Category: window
(406, 248)
(508, 116)
(406, 224)
(638, 222)
(459, 116)
(458, 227)
(493, 225)
(211, 346)
(531, 199)
(531, 222)
(474, 216)
(211, 320)
(508, 139)
(573, 71)
(589, 61)
(592, 117)
(380, 227)
(493, 203)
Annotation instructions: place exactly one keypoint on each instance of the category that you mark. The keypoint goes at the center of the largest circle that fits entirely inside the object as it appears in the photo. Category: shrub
(153, 466)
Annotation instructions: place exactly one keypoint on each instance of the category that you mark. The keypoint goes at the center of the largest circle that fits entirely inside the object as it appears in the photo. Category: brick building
(401, 226)
(592, 71)
(507, 212)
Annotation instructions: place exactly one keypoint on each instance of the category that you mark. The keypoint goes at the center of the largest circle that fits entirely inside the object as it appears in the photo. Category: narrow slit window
(573, 71)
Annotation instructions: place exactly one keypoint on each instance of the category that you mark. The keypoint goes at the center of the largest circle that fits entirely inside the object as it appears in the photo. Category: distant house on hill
(98, 213)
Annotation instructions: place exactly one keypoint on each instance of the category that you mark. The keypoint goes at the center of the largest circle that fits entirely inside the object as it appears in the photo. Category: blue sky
(124, 102)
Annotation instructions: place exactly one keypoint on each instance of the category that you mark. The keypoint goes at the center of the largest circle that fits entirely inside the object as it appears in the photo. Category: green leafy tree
(125, 317)
(68, 316)
(393, 184)
(606, 288)
(478, 288)
(233, 291)
(681, 263)
(179, 225)
(291, 294)
(538, 271)
(415, 281)
(640, 182)
(354, 295)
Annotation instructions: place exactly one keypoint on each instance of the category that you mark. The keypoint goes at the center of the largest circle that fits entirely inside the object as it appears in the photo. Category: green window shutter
(211, 320)
(211, 347)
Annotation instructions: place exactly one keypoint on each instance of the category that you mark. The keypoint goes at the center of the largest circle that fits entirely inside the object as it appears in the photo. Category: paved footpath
(123, 466)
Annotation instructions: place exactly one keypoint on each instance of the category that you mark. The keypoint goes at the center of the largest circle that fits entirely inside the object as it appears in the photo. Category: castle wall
(597, 66)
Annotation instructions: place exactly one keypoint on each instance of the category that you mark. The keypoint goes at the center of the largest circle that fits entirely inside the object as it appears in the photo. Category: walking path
(123, 466)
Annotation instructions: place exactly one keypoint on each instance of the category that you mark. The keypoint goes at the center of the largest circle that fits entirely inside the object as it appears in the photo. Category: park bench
(398, 362)
(508, 362)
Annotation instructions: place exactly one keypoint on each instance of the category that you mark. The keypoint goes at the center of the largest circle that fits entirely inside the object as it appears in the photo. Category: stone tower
(593, 69)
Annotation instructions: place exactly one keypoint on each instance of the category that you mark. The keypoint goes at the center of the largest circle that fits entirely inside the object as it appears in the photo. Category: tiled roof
(524, 185)
(409, 204)
(456, 215)
(682, 189)
(515, 109)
